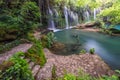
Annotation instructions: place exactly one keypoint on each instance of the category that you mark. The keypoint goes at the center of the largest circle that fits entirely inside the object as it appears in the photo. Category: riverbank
(97, 30)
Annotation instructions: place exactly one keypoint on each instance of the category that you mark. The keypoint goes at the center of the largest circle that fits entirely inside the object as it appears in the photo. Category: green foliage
(106, 31)
(84, 76)
(19, 71)
(92, 51)
(22, 15)
(30, 36)
(81, 76)
(30, 14)
(112, 13)
(54, 76)
(118, 71)
(83, 51)
(36, 54)
(69, 77)
(48, 40)
(113, 77)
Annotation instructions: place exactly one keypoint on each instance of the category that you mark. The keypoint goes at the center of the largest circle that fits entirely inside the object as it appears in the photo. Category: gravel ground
(92, 64)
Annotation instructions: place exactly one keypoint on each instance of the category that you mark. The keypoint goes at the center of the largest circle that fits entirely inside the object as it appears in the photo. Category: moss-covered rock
(6, 34)
(5, 65)
(36, 54)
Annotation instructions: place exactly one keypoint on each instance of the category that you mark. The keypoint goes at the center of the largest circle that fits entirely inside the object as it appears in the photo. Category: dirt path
(8, 54)
(91, 64)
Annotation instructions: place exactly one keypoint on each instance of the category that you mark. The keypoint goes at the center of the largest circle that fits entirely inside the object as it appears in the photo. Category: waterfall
(77, 22)
(66, 17)
(73, 18)
(56, 17)
(94, 13)
(87, 15)
(51, 23)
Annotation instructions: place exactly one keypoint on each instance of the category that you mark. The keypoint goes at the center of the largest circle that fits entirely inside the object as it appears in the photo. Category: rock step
(28, 60)
(35, 70)
(45, 72)
(31, 65)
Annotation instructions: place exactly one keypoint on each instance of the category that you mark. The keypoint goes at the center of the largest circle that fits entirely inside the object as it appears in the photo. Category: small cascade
(73, 18)
(66, 17)
(94, 13)
(77, 19)
(87, 16)
(51, 23)
(56, 17)
(98, 10)
(56, 13)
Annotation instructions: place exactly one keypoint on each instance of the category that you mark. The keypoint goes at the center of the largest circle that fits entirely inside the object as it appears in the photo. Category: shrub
(113, 77)
(36, 53)
(20, 15)
(19, 71)
(48, 40)
(30, 36)
(84, 76)
(92, 51)
(54, 76)
(69, 77)
(83, 51)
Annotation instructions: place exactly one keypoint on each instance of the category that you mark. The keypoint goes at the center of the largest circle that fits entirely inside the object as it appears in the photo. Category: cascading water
(73, 18)
(56, 17)
(66, 17)
(77, 22)
(94, 13)
(51, 23)
(87, 16)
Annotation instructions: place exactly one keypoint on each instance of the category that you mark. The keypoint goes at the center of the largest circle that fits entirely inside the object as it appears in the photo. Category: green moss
(30, 36)
(5, 65)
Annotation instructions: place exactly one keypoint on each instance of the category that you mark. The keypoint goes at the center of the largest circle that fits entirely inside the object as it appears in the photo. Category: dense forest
(59, 39)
